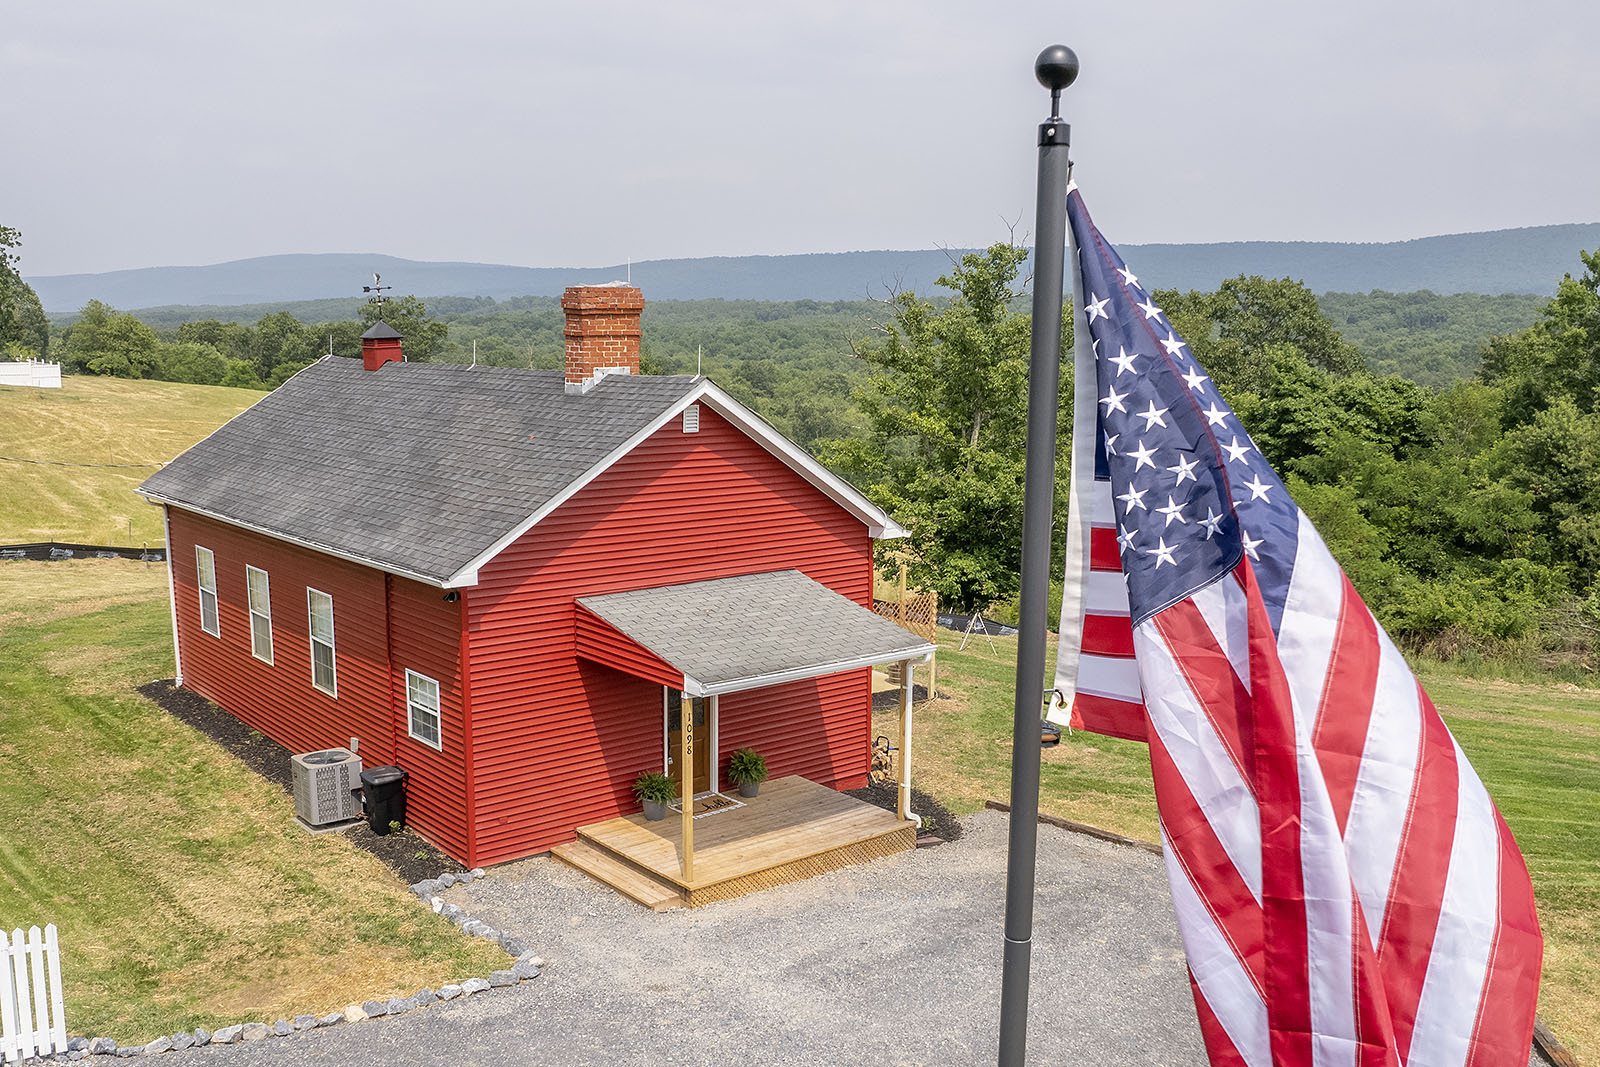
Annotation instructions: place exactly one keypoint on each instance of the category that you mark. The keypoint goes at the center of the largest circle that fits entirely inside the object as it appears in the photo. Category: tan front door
(702, 741)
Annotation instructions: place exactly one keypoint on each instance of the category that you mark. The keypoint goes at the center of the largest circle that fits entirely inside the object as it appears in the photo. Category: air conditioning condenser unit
(326, 786)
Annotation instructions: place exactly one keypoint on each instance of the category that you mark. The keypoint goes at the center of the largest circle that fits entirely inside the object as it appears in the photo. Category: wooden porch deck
(794, 830)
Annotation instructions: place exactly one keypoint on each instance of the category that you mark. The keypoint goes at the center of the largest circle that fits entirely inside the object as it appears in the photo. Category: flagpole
(1056, 68)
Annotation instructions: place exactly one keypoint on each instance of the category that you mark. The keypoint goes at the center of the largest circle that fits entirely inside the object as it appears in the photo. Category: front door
(702, 741)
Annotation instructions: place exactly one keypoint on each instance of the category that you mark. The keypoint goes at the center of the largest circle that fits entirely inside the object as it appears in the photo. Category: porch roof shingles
(752, 630)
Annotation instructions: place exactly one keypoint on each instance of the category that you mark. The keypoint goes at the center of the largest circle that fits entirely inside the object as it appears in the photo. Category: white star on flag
(1236, 451)
(1128, 276)
(1195, 379)
(1114, 401)
(1149, 308)
(1258, 488)
(1185, 469)
(1162, 552)
(1096, 308)
(1152, 416)
(1173, 344)
(1211, 522)
(1123, 361)
(1134, 498)
(1216, 416)
(1142, 458)
(1111, 443)
(1250, 545)
(1172, 511)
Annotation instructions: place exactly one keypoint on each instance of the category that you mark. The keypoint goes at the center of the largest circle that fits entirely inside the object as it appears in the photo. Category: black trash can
(383, 792)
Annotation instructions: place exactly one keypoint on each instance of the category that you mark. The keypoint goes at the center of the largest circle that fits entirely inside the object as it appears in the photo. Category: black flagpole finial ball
(1056, 68)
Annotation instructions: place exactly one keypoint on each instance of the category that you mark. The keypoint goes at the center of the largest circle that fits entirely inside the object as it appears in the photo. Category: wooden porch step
(611, 870)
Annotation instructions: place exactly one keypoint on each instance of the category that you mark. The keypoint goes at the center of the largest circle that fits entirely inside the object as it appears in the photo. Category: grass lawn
(97, 420)
(1537, 748)
(184, 893)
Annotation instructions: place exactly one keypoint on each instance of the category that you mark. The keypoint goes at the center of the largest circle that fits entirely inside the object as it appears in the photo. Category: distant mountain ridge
(1527, 260)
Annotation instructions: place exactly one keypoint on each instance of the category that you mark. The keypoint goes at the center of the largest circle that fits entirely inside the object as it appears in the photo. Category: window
(422, 707)
(205, 564)
(319, 608)
(260, 614)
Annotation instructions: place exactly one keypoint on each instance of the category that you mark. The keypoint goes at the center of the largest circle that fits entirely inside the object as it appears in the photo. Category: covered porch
(794, 829)
(708, 639)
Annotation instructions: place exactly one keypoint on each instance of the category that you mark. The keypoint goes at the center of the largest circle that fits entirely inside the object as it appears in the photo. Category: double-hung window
(319, 608)
(260, 614)
(205, 565)
(422, 709)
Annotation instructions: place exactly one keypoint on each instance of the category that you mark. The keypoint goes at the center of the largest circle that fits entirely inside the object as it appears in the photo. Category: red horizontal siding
(817, 728)
(598, 641)
(557, 740)
(279, 699)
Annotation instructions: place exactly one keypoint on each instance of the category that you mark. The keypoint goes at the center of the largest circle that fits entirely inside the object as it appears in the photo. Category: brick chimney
(380, 345)
(602, 332)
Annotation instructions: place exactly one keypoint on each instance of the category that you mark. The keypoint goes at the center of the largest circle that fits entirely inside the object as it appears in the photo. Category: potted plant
(656, 792)
(747, 769)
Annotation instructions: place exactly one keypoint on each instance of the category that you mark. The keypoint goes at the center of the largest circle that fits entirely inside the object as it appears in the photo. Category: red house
(511, 583)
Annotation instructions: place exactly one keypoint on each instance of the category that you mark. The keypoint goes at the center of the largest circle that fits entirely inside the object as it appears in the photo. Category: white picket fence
(31, 1019)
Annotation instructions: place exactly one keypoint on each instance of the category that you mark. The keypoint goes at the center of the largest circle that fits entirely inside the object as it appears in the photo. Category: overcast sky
(147, 134)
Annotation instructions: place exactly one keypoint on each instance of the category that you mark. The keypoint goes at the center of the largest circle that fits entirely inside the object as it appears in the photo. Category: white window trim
(249, 603)
(438, 715)
(312, 642)
(201, 590)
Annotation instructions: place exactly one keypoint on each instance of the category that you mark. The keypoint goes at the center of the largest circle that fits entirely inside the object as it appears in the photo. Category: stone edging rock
(525, 968)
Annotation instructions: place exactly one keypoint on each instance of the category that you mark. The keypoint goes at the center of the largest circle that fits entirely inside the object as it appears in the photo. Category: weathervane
(376, 289)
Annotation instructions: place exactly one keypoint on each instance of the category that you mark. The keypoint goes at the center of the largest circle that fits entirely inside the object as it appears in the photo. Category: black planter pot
(654, 810)
(749, 789)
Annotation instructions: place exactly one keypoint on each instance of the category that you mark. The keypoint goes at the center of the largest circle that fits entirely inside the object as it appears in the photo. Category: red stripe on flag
(1219, 1049)
(1114, 718)
(1217, 882)
(1104, 551)
(1108, 635)
(1416, 892)
(1511, 990)
(1211, 678)
(1277, 788)
(1340, 735)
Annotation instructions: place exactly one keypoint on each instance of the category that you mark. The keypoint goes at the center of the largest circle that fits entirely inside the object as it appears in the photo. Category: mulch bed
(937, 819)
(404, 853)
(889, 699)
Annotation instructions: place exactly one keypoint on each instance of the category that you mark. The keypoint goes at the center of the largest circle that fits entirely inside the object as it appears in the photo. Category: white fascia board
(841, 492)
(817, 670)
(156, 498)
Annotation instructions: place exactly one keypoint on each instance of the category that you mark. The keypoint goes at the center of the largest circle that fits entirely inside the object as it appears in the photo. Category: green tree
(1558, 357)
(192, 362)
(946, 410)
(111, 342)
(24, 330)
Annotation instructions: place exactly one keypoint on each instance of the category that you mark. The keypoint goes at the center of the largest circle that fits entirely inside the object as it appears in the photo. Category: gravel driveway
(892, 962)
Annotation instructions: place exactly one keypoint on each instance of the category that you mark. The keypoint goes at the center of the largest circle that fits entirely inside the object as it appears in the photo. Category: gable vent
(691, 419)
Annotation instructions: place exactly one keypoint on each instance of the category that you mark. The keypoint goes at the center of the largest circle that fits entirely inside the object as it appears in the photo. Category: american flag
(1346, 891)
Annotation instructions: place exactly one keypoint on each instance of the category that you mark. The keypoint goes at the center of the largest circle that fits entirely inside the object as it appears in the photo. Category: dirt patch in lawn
(405, 853)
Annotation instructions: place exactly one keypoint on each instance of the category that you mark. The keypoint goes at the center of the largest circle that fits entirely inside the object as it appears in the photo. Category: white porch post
(905, 740)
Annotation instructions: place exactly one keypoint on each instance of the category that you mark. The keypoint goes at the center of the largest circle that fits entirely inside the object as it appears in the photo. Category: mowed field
(1536, 747)
(93, 420)
(184, 892)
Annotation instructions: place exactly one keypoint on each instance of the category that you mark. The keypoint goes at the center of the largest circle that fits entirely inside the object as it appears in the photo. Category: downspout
(388, 662)
(905, 745)
(172, 599)
(469, 770)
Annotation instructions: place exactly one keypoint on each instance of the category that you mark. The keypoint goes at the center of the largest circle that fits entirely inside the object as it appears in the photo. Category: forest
(1447, 446)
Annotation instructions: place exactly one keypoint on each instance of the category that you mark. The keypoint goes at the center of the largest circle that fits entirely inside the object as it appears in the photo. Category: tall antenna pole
(1056, 68)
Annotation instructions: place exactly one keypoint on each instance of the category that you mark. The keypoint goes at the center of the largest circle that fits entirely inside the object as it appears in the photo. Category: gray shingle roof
(728, 633)
(417, 467)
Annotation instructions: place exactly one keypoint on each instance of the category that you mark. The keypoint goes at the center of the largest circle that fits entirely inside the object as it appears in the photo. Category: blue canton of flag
(1180, 465)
